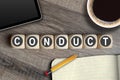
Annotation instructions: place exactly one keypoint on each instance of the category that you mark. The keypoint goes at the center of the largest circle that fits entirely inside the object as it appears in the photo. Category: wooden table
(59, 17)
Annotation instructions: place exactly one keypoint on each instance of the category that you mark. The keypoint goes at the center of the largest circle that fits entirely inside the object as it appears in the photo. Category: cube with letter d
(61, 41)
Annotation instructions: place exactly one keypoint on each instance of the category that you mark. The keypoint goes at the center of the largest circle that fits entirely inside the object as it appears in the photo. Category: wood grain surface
(59, 17)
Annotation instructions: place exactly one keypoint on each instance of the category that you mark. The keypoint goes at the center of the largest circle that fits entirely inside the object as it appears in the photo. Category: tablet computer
(17, 12)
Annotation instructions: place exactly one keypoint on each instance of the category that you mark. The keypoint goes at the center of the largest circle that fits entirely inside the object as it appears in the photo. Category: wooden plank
(73, 5)
(19, 69)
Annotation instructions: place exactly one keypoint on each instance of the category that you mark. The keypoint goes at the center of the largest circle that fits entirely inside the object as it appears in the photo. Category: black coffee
(107, 10)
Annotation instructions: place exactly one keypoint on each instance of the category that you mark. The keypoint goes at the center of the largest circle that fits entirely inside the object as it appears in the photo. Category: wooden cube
(75, 41)
(18, 41)
(105, 41)
(47, 42)
(61, 41)
(32, 42)
(90, 41)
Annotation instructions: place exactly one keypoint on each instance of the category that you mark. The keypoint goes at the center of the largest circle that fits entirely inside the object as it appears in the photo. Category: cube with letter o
(32, 42)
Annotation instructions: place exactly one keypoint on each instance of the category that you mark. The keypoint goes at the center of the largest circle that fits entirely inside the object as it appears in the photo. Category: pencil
(61, 64)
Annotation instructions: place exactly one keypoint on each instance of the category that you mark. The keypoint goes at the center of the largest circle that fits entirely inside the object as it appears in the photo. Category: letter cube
(61, 41)
(47, 42)
(90, 41)
(32, 42)
(18, 41)
(105, 41)
(75, 41)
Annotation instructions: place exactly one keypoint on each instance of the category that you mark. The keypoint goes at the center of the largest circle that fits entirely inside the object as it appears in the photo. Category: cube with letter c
(18, 41)
(90, 41)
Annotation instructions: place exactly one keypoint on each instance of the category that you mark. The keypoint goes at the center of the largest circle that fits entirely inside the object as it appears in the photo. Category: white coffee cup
(98, 21)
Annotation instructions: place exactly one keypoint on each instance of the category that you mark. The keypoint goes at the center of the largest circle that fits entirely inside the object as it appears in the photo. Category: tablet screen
(15, 12)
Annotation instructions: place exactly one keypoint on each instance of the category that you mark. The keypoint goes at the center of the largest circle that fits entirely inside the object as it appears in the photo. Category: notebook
(104, 67)
(16, 12)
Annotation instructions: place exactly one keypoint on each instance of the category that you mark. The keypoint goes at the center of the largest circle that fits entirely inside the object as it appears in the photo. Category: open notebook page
(119, 66)
(88, 68)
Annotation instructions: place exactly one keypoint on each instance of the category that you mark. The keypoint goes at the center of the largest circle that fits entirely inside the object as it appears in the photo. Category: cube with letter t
(105, 41)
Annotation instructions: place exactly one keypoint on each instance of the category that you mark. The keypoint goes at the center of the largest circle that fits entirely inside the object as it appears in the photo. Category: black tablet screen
(14, 12)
